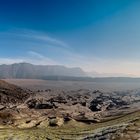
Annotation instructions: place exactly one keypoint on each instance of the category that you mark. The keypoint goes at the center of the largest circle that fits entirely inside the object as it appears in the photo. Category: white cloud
(37, 58)
(32, 57)
(51, 40)
(30, 34)
(10, 60)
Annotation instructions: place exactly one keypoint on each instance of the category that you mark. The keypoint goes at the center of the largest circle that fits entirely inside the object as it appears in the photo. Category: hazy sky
(96, 35)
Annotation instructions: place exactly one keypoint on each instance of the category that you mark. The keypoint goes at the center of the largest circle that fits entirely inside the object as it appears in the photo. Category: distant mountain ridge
(26, 70)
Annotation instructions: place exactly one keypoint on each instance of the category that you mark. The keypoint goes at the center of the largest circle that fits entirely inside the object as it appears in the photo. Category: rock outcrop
(102, 103)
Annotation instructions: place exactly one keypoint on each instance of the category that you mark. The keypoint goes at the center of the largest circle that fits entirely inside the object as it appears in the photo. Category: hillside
(11, 94)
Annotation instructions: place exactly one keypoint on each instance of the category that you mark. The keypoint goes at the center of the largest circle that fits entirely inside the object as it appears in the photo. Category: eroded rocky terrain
(68, 114)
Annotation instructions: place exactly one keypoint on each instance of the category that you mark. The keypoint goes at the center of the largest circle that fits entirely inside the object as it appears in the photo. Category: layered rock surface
(81, 111)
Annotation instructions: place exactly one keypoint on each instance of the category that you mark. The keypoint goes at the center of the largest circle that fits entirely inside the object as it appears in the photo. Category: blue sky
(96, 35)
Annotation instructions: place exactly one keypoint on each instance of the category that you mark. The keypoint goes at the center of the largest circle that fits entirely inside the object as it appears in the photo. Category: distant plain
(35, 84)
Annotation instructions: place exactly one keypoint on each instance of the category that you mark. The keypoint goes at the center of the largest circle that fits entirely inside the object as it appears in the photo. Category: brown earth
(23, 108)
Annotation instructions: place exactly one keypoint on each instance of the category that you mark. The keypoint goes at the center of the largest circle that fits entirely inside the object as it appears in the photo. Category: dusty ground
(74, 85)
(69, 110)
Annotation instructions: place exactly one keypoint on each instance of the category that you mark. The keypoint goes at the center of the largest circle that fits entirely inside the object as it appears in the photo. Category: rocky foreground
(68, 114)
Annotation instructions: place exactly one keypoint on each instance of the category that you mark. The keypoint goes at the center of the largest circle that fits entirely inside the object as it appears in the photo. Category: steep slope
(26, 70)
(11, 94)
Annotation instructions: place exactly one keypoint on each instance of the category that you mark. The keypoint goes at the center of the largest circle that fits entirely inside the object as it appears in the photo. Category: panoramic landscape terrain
(69, 69)
(35, 109)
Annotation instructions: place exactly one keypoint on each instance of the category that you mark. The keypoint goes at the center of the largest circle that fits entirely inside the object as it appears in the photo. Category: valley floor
(68, 111)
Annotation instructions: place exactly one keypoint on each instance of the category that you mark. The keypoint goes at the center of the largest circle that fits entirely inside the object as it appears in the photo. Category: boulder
(39, 104)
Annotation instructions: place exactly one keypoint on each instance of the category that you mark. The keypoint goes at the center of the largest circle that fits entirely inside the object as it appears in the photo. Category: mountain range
(57, 72)
(26, 71)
